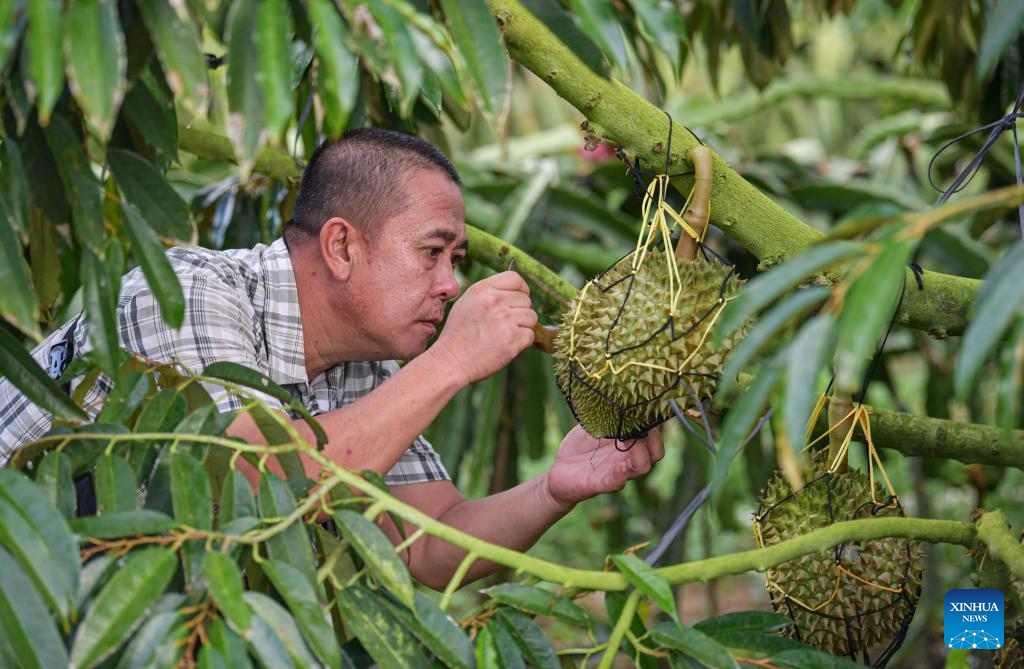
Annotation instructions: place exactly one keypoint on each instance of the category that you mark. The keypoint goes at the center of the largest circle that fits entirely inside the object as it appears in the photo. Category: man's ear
(340, 244)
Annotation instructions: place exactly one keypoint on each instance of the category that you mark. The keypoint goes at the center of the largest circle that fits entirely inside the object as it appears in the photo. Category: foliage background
(832, 109)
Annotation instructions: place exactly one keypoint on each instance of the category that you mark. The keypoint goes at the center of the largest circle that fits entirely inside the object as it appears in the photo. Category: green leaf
(272, 41)
(530, 639)
(53, 475)
(569, 612)
(765, 644)
(768, 330)
(505, 644)
(123, 524)
(27, 376)
(478, 40)
(149, 252)
(661, 25)
(597, 19)
(1003, 24)
(17, 301)
(377, 553)
(812, 659)
(193, 505)
(236, 498)
(643, 576)
(401, 53)
(80, 184)
(1009, 395)
(27, 625)
(95, 52)
(266, 646)
(384, 638)
(229, 645)
(224, 582)
(15, 187)
(116, 488)
(562, 24)
(743, 416)
(176, 40)
(160, 206)
(996, 305)
(100, 316)
(144, 111)
(161, 413)
(122, 605)
(486, 652)
(242, 375)
(36, 534)
(439, 633)
(696, 644)
(141, 651)
(337, 70)
(280, 621)
(45, 58)
(867, 308)
(10, 29)
(529, 598)
(743, 622)
(245, 97)
(766, 288)
(302, 600)
(292, 545)
(808, 354)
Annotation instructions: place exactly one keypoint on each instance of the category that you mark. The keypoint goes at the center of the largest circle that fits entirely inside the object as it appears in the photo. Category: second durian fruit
(619, 358)
(879, 581)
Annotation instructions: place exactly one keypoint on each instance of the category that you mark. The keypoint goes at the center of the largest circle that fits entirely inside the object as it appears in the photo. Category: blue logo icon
(974, 619)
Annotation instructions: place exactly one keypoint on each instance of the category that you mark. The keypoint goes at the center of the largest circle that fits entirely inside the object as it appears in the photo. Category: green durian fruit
(640, 393)
(876, 615)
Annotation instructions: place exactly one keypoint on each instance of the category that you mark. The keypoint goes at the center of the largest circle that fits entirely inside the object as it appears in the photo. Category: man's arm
(487, 327)
(516, 518)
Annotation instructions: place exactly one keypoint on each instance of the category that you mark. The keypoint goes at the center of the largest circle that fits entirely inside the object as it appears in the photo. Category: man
(361, 278)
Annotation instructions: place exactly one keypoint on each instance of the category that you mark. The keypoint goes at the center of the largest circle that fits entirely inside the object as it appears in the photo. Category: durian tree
(132, 126)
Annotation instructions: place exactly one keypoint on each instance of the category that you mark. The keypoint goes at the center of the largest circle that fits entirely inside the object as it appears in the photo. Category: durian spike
(699, 210)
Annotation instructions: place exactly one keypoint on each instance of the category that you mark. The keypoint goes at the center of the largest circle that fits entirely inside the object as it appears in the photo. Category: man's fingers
(655, 446)
(509, 281)
(639, 461)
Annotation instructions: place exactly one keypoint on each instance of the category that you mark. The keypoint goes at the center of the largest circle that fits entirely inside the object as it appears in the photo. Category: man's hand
(488, 326)
(586, 466)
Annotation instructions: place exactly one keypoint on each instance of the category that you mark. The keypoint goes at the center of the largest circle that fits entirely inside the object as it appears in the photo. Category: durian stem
(839, 408)
(994, 531)
(544, 337)
(698, 212)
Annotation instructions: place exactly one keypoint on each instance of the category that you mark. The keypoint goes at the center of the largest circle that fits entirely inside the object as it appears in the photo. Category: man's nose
(447, 286)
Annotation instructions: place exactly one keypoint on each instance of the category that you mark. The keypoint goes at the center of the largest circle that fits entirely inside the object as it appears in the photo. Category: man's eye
(435, 252)
(458, 260)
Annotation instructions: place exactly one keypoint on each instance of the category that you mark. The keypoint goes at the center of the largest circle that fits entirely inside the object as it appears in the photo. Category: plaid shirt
(242, 306)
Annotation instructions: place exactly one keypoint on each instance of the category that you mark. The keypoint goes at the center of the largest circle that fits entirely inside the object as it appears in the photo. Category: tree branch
(617, 114)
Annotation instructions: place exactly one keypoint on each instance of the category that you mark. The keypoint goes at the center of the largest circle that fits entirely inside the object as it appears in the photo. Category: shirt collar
(282, 321)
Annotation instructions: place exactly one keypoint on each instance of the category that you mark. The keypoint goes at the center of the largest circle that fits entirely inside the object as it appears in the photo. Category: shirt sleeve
(219, 325)
(420, 463)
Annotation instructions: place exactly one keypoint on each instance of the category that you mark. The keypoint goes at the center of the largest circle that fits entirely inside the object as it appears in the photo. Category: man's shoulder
(234, 274)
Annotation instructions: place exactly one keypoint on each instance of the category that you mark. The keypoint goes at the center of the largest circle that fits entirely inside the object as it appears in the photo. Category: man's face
(409, 275)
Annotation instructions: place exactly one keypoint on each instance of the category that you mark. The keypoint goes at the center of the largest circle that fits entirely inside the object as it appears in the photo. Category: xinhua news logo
(974, 619)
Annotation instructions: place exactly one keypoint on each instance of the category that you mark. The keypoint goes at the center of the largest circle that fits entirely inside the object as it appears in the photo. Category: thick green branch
(929, 437)
(934, 531)
(616, 113)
